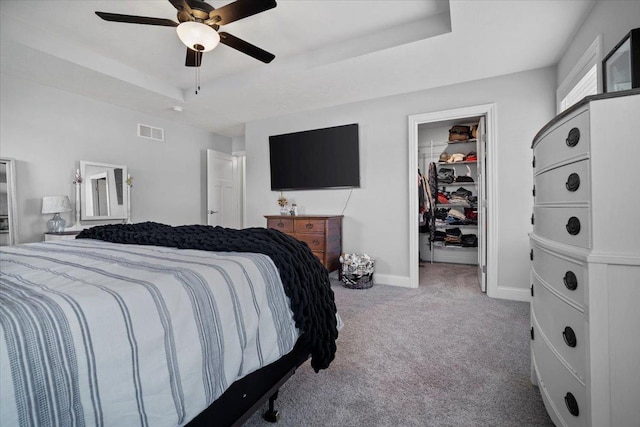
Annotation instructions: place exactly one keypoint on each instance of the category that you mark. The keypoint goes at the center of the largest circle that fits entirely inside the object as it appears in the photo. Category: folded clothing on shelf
(456, 157)
(464, 178)
(446, 175)
(453, 236)
(469, 240)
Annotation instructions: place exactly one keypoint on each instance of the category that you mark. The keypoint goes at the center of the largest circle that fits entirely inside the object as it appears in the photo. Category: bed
(152, 325)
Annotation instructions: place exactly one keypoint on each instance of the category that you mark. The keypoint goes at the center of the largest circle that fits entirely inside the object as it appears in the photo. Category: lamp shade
(55, 204)
(198, 36)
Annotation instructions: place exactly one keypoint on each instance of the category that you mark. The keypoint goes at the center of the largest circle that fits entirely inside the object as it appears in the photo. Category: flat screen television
(315, 159)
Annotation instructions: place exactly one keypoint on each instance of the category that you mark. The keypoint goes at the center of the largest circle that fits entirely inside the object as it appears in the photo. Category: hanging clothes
(423, 199)
(432, 191)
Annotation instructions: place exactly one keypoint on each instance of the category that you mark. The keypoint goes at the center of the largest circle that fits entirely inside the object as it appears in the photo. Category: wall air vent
(149, 132)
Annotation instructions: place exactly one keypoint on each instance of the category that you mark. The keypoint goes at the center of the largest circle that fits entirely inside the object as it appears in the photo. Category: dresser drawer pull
(531, 254)
(316, 242)
(573, 138)
(533, 162)
(533, 219)
(309, 226)
(534, 191)
(281, 224)
(532, 289)
(572, 404)
(569, 337)
(573, 226)
(573, 182)
(532, 337)
(570, 280)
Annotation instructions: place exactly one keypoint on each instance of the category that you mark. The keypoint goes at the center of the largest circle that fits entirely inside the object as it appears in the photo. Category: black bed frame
(243, 398)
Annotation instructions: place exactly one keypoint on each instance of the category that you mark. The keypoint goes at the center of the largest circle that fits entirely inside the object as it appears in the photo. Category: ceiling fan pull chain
(197, 79)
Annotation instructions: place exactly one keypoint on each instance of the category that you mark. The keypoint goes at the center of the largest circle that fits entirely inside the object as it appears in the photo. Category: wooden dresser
(323, 234)
(585, 263)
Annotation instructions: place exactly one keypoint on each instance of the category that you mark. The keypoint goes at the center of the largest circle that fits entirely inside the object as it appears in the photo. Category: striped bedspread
(97, 333)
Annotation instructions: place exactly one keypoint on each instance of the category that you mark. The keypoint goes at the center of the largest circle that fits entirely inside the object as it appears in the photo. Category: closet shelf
(455, 205)
(459, 184)
(444, 227)
(442, 245)
(458, 163)
(473, 140)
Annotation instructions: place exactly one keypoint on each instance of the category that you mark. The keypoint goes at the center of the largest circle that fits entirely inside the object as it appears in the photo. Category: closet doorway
(463, 229)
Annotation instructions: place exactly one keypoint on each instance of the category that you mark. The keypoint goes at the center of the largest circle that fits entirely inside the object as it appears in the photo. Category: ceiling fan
(198, 25)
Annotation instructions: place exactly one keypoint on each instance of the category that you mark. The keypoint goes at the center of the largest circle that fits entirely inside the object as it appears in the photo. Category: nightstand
(65, 235)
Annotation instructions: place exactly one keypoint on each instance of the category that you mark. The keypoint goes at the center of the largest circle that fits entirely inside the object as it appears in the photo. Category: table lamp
(55, 205)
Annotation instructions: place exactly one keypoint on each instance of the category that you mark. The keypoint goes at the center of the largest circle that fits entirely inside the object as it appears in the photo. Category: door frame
(490, 113)
(12, 200)
(240, 183)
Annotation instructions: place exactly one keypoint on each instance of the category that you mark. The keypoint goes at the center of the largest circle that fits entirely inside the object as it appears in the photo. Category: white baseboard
(384, 279)
(502, 292)
(514, 294)
(391, 280)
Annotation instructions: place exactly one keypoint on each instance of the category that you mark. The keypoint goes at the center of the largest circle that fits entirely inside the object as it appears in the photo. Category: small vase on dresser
(585, 263)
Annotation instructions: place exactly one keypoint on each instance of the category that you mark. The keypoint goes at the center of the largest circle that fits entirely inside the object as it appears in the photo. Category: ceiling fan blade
(240, 9)
(245, 47)
(178, 4)
(194, 58)
(184, 10)
(131, 19)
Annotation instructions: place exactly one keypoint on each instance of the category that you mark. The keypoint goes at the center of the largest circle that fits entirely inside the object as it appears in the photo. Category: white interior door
(222, 202)
(482, 206)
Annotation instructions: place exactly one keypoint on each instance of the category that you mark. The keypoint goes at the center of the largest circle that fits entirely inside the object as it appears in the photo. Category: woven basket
(355, 281)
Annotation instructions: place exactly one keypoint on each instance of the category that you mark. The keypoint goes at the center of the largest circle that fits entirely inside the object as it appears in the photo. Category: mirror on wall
(103, 191)
(8, 206)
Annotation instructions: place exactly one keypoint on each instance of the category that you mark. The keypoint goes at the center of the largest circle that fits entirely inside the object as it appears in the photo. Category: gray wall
(609, 18)
(49, 131)
(376, 217)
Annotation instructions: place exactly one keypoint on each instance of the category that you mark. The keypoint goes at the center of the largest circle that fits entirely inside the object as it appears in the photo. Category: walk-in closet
(451, 188)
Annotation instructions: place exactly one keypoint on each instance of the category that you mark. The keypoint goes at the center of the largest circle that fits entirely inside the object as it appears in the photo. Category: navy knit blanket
(305, 280)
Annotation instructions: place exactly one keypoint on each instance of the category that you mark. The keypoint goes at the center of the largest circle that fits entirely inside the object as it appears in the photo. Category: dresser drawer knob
(572, 404)
(570, 280)
(573, 138)
(309, 226)
(573, 182)
(281, 224)
(569, 337)
(316, 242)
(573, 226)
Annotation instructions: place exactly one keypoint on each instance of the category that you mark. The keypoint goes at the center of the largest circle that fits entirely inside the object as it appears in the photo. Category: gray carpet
(441, 355)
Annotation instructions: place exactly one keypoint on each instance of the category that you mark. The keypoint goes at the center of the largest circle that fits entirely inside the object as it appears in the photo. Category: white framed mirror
(103, 191)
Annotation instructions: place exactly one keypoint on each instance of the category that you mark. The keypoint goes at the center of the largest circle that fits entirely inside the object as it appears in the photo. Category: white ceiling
(328, 52)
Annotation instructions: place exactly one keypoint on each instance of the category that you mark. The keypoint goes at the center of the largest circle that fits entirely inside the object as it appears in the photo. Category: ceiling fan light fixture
(198, 36)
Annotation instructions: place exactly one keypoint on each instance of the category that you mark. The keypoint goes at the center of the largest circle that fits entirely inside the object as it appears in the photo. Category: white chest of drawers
(585, 263)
